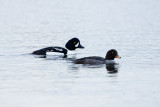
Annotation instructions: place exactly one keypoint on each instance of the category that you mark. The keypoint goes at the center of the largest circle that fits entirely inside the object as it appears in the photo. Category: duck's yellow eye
(74, 42)
(112, 52)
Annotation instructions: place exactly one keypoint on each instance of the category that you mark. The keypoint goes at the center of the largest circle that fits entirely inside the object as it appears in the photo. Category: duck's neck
(108, 58)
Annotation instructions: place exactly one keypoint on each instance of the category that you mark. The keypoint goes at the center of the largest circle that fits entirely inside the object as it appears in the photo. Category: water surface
(130, 26)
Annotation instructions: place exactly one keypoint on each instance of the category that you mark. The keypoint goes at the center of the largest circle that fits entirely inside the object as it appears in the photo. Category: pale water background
(130, 26)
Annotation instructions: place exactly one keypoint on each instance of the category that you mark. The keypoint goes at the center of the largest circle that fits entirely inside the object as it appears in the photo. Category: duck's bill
(117, 56)
(80, 46)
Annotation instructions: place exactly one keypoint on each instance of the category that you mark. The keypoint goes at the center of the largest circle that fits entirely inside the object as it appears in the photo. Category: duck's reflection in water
(112, 68)
(51, 56)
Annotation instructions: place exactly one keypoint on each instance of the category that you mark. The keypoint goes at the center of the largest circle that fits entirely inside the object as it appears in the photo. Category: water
(130, 26)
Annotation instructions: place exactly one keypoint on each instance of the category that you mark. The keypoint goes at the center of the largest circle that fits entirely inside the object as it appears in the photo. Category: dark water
(130, 26)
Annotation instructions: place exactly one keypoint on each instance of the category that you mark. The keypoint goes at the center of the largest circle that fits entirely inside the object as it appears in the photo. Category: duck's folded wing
(89, 60)
(50, 49)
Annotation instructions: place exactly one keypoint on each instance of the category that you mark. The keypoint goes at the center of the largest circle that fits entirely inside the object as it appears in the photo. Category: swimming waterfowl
(72, 44)
(111, 54)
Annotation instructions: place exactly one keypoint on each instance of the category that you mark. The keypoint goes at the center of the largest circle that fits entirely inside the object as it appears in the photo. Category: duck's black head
(111, 54)
(73, 43)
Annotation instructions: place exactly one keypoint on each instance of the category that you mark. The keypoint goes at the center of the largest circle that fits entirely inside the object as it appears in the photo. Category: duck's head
(73, 43)
(111, 54)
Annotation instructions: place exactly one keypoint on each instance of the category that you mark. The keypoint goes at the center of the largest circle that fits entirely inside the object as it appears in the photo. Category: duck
(109, 58)
(72, 44)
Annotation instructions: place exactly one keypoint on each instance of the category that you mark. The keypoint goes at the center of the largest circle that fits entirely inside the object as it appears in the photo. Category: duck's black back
(50, 49)
(90, 60)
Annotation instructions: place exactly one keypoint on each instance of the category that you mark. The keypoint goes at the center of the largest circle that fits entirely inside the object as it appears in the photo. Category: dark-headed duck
(111, 54)
(72, 44)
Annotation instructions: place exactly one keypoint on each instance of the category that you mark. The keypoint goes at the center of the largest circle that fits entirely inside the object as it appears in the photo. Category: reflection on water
(112, 68)
(54, 57)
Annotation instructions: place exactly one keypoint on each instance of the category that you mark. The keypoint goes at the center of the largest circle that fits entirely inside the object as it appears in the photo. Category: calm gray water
(130, 26)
